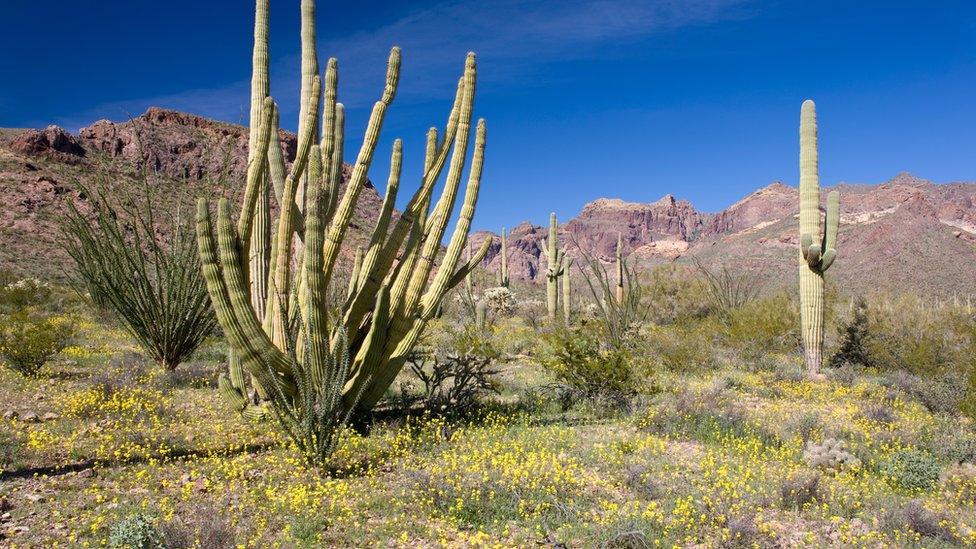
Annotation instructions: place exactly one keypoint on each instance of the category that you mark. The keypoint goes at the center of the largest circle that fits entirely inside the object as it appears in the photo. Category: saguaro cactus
(554, 256)
(503, 280)
(389, 302)
(567, 291)
(817, 250)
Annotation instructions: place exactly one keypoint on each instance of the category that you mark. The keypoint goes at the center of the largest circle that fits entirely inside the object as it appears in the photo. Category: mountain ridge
(923, 230)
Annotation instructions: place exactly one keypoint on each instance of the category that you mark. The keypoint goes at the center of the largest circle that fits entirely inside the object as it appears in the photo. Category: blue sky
(584, 98)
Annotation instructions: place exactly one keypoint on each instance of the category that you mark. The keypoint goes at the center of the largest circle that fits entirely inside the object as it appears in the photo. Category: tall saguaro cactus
(817, 250)
(554, 257)
(287, 341)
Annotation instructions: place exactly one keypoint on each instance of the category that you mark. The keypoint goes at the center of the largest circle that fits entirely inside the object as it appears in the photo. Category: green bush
(29, 339)
(685, 346)
(137, 531)
(910, 469)
(578, 359)
(762, 326)
(19, 294)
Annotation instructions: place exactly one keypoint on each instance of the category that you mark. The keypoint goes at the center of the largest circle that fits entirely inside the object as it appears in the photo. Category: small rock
(36, 498)
(200, 485)
(30, 417)
(86, 473)
(10, 414)
(50, 416)
(957, 234)
(5, 517)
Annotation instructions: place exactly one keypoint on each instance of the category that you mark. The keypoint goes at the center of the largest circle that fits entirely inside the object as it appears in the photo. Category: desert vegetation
(277, 379)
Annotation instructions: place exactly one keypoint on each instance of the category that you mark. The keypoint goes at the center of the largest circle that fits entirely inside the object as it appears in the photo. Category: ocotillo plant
(620, 269)
(817, 251)
(296, 340)
(567, 291)
(554, 256)
(503, 281)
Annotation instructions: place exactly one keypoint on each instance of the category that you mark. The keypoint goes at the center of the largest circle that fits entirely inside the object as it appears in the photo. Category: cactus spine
(554, 257)
(389, 302)
(567, 291)
(504, 254)
(817, 251)
(619, 289)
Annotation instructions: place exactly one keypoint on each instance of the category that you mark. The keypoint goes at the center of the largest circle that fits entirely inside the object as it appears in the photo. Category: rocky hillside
(185, 155)
(906, 234)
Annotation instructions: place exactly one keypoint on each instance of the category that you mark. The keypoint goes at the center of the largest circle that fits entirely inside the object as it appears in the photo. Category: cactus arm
(356, 269)
(255, 173)
(389, 200)
(813, 256)
(344, 210)
(831, 227)
(406, 329)
(315, 320)
(229, 295)
(260, 86)
(464, 272)
(416, 208)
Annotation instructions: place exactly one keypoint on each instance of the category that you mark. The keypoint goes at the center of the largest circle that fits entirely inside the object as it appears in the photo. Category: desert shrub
(853, 348)
(592, 370)
(683, 346)
(913, 335)
(453, 382)
(19, 294)
(959, 482)
(943, 392)
(805, 425)
(136, 531)
(155, 286)
(643, 480)
(830, 455)
(910, 469)
(29, 339)
(915, 517)
(762, 326)
(674, 293)
(620, 317)
(798, 491)
(728, 288)
(708, 415)
(202, 525)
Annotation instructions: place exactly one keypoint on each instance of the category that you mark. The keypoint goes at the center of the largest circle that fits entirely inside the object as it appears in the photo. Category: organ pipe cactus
(817, 251)
(554, 257)
(394, 291)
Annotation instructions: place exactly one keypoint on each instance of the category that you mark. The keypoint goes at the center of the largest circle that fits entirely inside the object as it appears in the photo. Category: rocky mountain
(185, 156)
(906, 234)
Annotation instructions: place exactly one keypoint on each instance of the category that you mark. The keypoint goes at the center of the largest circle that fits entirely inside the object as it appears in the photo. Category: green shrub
(912, 335)
(684, 346)
(578, 360)
(910, 469)
(29, 339)
(854, 338)
(19, 294)
(137, 531)
(762, 326)
(673, 293)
